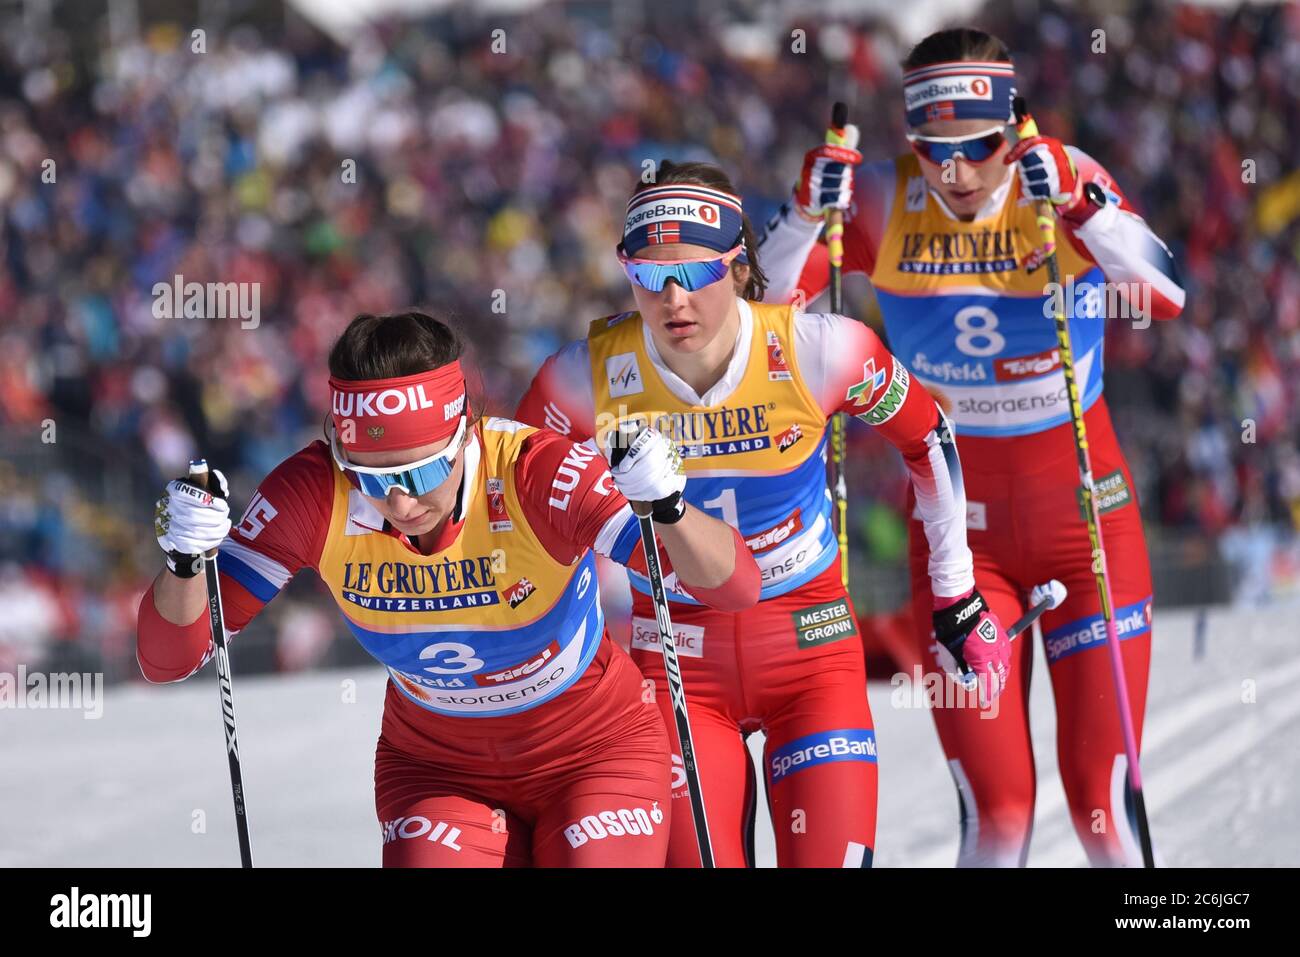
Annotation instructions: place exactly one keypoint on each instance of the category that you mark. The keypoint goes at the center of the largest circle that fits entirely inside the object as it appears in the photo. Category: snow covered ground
(146, 784)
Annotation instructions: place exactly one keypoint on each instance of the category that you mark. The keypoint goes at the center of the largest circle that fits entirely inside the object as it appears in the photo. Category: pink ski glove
(967, 627)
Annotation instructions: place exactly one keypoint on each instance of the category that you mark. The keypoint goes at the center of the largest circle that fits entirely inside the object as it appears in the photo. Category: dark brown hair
(401, 344)
(959, 43)
(712, 177)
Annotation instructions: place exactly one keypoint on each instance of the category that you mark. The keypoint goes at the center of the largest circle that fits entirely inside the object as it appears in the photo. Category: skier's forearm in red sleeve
(1118, 240)
(739, 591)
(282, 530)
(170, 652)
(573, 505)
(850, 370)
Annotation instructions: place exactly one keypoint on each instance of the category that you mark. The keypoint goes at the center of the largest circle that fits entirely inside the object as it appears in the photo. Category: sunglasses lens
(415, 481)
(690, 276)
(977, 151)
(925, 150)
(973, 151)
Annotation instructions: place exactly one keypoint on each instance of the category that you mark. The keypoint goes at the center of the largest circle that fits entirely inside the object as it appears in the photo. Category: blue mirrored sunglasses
(690, 274)
(416, 479)
(973, 149)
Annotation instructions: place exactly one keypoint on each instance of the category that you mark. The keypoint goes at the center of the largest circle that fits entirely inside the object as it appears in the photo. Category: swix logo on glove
(976, 605)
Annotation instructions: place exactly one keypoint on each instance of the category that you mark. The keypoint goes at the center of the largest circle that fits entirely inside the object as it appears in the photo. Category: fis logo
(518, 593)
(915, 194)
(789, 437)
(624, 375)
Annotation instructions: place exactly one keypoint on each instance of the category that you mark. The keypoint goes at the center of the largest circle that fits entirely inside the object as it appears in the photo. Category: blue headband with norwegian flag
(960, 90)
(682, 213)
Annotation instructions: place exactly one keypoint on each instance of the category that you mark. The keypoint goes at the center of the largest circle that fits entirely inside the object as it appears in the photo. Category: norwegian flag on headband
(658, 233)
(940, 111)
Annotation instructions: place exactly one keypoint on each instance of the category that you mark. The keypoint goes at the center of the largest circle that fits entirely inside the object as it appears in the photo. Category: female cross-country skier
(946, 233)
(461, 555)
(745, 390)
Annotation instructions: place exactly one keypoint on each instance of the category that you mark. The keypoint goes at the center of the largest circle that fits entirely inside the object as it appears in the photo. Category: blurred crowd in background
(416, 166)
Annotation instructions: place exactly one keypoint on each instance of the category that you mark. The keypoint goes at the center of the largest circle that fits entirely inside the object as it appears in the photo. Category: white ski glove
(190, 521)
(647, 469)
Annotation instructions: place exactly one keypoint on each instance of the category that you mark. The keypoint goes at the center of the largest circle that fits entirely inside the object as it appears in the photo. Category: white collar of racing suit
(721, 389)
